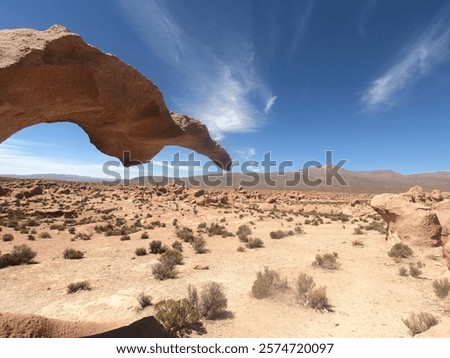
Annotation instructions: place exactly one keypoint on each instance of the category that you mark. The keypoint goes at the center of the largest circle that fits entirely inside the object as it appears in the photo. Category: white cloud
(221, 86)
(270, 104)
(419, 59)
(246, 153)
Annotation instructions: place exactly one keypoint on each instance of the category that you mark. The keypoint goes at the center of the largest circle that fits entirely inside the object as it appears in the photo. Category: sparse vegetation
(156, 247)
(441, 287)
(267, 283)
(400, 251)
(171, 258)
(144, 235)
(140, 251)
(244, 232)
(358, 231)
(403, 271)
(418, 323)
(8, 237)
(186, 234)
(45, 235)
(199, 245)
(358, 243)
(72, 254)
(217, 229)
(213, 301)
(279, 234)
(76, 287)
(414, 270)
(253, 243)
(125, 238)
(179, 317)
(162, 271)
(327, 261)
(312, 297)
(144, 300)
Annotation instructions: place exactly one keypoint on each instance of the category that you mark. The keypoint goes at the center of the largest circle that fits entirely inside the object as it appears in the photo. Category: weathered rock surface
(416, 217)
(53, 76)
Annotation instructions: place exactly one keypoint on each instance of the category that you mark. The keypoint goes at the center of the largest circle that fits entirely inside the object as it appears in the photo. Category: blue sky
(368, 79)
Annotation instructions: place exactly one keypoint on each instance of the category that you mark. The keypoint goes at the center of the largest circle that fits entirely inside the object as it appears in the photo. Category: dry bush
(186, 234)
(418, 323)
(441, 287)
(125, 238)
(357, 243)
(179, 317)
(403, 271)
(8, 237)
(213, 301)
(318, 300)
(414, 270)
(241, 249)
(279, 234)
(140, 251)
(193, 296)
(76, 287)
(156, 247)
(358, 231)
(72, 254)
(163, 271)
(400, 251)
(244, 232)
(199, 245)
(145, 235)
(177, 246)
(327, 261)
(144, 300)
(216, 229)
(254, 243)
(304, 285)
(45, 235)
(268, 282)
(171, 258)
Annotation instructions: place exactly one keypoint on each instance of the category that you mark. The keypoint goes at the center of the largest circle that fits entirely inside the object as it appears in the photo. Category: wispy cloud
(363, 18)
(221, 86)
(302, 15)
(245, 153)
(270, 104)
(419, 59)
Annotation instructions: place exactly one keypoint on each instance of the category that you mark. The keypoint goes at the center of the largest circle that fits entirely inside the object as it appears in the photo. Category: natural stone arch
(53, 76)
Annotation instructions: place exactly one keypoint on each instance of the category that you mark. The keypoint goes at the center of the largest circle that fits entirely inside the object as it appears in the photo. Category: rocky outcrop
(53, 76)
(416, 217)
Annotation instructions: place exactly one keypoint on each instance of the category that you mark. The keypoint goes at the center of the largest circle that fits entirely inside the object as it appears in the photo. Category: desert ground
(367, 295)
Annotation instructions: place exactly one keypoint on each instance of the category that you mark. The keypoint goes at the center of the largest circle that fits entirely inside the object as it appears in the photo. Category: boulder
(409, 220)
(53, 76)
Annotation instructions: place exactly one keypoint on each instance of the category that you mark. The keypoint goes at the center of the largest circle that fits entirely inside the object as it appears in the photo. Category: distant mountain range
(314, 180)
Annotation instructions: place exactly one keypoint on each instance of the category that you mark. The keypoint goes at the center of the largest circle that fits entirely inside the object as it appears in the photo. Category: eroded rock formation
(416, 217)
(53, 76)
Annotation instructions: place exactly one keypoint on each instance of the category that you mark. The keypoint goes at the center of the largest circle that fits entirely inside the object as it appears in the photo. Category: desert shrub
(376, 226)
(268, 282)
(179, 317)
(72, 231)
(6, 260)
(76, 287)
(304, 285)
(199, 245)
(140, 251)
(403, 271)
(254, 243)
(216, 229)
(85, 236)
(358, 231)
(145, 236)
(186, 234)
(400, 251)
(31, 237)
(125, 238)
(22, 255)
(72, 254)
(162, 271)
(8, 237)
(241, 249)
(317, 299)
(156, 247)
(327, 261)
(414, 270)
(144, 300)
(45, 235)
(298, 229)
(357, 243)
(418, 323)
(244, 232)
(213, 301)
(441, 287)
(279, 234)
(171, 258)
(193, 296)
(177, 246)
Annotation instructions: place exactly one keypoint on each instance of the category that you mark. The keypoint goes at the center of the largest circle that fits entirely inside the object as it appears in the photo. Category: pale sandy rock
(53, 76)
(408, 219)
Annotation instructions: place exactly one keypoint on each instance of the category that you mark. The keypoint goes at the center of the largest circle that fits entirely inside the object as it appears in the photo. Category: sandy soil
(369, 296)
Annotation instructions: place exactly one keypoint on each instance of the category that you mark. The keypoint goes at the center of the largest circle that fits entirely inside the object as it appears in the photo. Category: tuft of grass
(72, 254)
(199, 245)
(400, 251)
(357, 243)
(144, 300)
(441, 288)
(254, 243)
(418, 323)
(327, 261)
(76, 287)
(163, 271)
(140, 251)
